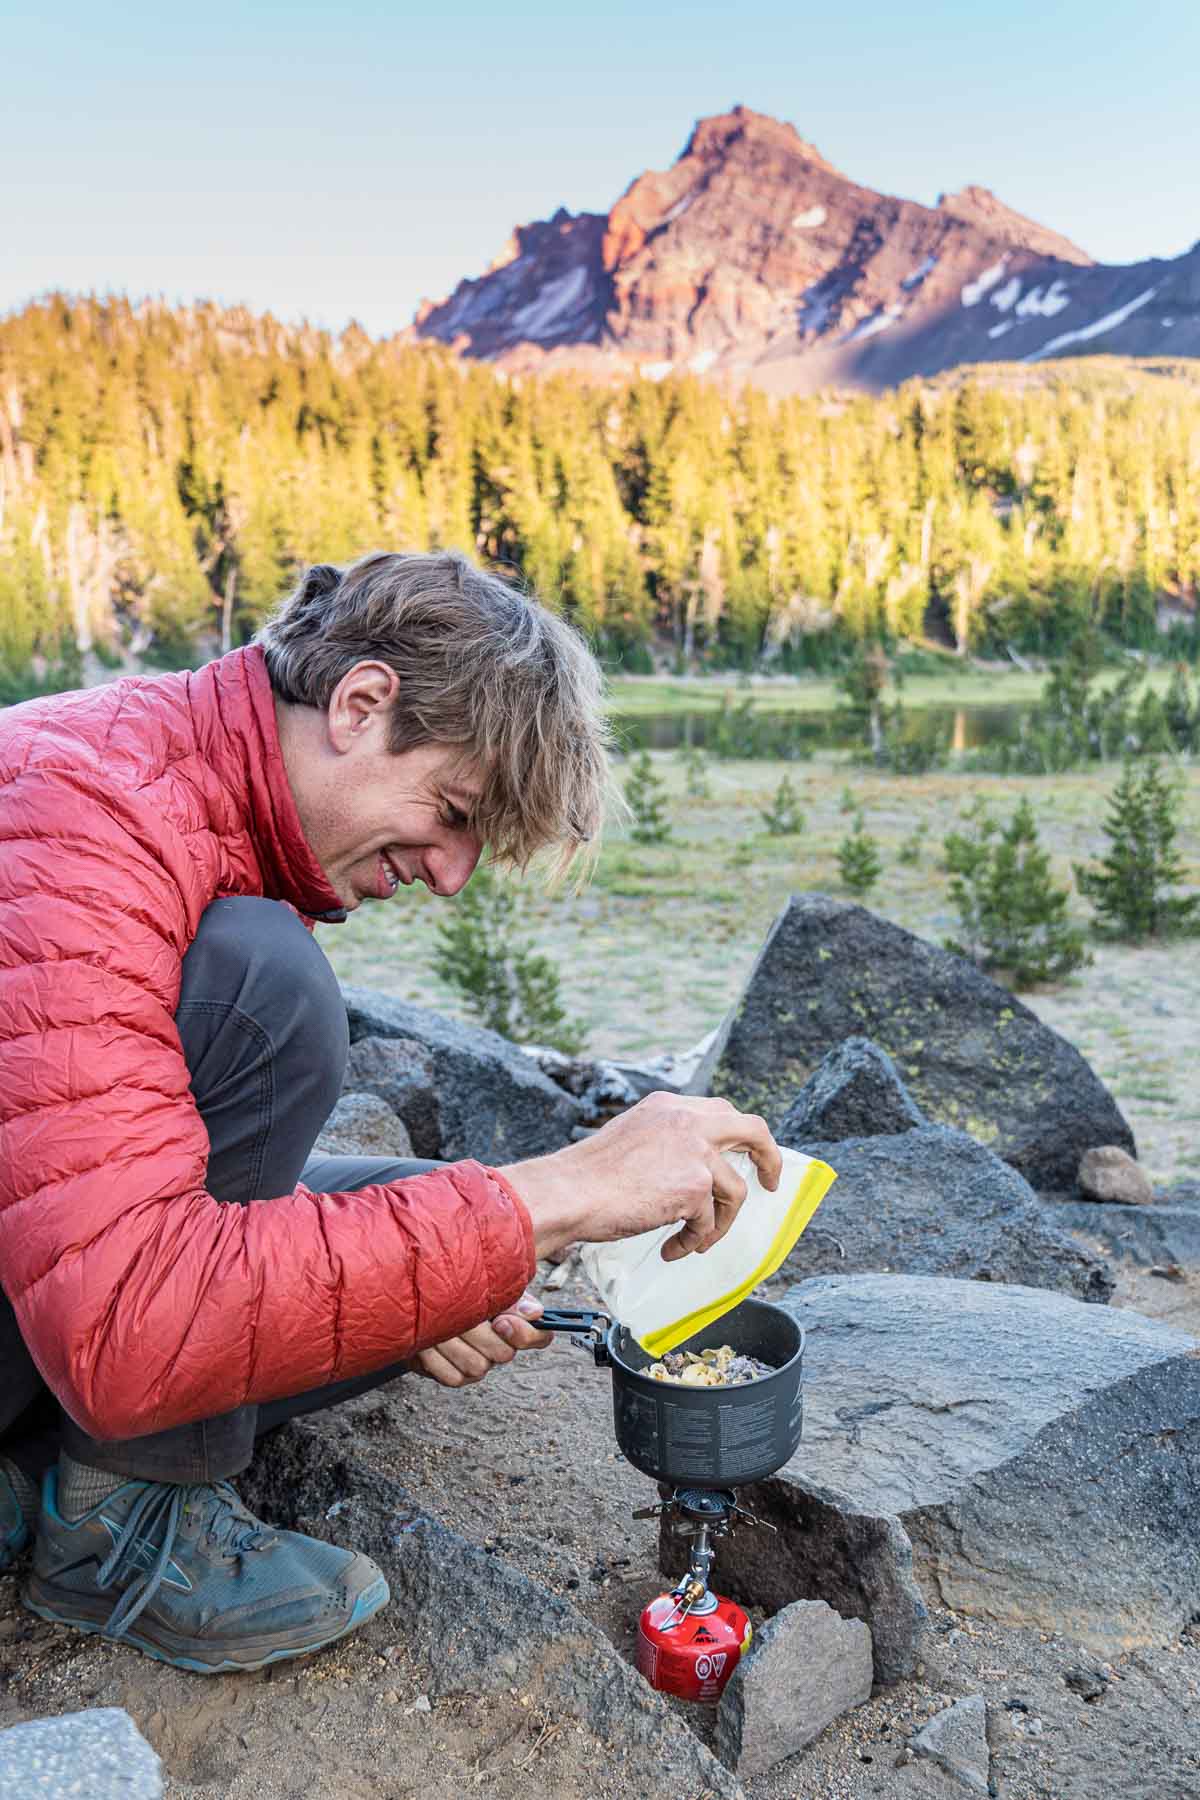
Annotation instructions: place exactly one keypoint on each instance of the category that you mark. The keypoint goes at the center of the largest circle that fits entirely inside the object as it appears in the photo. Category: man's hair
(482, 666)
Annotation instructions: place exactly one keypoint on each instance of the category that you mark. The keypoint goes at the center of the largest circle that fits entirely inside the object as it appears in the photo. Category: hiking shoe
(189, 1575)
(14, 1520)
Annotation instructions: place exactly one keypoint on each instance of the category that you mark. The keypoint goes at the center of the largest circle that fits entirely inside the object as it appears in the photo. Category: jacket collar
(234, 709)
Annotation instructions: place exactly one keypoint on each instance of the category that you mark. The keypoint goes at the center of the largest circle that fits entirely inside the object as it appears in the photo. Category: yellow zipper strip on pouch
(815, 1183)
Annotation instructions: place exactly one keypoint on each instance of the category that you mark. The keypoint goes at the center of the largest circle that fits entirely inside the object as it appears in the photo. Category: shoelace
(230, 1527)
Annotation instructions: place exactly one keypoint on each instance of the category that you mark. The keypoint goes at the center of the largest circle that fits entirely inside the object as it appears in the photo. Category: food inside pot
(708, 1368)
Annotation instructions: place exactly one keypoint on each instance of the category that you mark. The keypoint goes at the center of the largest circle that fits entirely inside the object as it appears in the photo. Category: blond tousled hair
(482, 666)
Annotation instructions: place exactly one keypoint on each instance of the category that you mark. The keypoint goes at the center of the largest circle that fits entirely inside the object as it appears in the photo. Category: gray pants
(263, 1030)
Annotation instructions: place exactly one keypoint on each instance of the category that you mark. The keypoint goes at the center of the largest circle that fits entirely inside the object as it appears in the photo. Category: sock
(24, 1487)
(80, 1487)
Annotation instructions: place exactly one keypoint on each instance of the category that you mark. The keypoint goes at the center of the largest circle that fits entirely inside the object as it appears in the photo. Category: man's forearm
(546, 1191)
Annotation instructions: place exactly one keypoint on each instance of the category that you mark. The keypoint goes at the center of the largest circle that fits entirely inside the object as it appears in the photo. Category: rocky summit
(754, 259)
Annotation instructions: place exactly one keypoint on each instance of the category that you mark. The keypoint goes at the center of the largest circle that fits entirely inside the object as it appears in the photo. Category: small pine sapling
(847, 803)
(695, 772)
(783, 817)
(646, 796)
(1131, 889)
(1012, 913)
(503, 981)
(913, 846)
(859, 859)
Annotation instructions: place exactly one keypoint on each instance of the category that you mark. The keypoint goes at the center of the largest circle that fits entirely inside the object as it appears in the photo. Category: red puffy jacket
(144, 1302)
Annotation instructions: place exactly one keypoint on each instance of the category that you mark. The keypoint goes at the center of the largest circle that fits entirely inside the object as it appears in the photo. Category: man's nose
(454, 866)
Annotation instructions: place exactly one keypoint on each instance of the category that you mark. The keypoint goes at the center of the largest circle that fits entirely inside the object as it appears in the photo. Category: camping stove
(690, 1640)
(700, 1444)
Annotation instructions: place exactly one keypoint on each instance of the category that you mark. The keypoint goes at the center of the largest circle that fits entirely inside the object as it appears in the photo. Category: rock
(855, 1092)
(1088, 1683)
(934, 1202)
(1107, 1172)
(1025, 1458)
(972, 1057)
(602, 1087)
(825, 1546)
(1149, 1236)
(400, 1071)
(479, 1626)
(955, 1740)
(363, 1125)
(99, 1753)
(493, 1102)
(805, 1669)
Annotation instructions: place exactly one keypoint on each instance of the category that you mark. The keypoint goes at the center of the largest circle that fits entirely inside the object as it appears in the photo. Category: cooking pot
(701, 1437)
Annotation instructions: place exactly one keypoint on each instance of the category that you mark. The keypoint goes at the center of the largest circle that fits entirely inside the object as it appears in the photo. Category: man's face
(376, 819)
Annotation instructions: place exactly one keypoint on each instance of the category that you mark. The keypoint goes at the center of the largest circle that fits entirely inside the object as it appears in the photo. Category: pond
(782, 733)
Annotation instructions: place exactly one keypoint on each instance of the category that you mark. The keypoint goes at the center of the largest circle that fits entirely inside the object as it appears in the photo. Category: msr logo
(703, 1635)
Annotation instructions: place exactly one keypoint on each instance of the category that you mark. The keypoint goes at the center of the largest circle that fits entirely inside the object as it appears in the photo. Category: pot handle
(589, 1329)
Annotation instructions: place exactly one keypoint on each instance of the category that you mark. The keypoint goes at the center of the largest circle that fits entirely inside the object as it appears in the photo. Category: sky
(336, 162)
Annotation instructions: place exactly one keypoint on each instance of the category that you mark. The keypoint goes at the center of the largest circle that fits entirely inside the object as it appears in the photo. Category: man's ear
(360, 704)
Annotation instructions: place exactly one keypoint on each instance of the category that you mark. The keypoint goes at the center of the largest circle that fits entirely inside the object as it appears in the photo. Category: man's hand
(659, 1162)
(461, 1361)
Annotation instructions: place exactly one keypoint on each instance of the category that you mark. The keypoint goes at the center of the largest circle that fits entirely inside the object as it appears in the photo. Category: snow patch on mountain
(1108, 323)
(1008, 295)
(974, 291)
(878, 321)
(549, 310)
(677, 211)
(808, 221)
(919, 274)
(1037, 304)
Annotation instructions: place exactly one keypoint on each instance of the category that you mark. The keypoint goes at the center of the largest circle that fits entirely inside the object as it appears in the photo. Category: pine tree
(1131, 888)
(503, 981)
(695, 766)
(1012, 913)
(912, 847)
(859, 859)
(646, 795)
(783, 817)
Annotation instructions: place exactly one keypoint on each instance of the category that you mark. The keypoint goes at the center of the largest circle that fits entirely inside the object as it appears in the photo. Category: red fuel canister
(694, 1657)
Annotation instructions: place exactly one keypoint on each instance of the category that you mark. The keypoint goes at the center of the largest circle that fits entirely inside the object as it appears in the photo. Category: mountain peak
(979, 206)
(714, 137)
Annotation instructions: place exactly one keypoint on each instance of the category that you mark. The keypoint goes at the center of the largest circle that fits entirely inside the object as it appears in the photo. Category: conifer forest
(165, 472)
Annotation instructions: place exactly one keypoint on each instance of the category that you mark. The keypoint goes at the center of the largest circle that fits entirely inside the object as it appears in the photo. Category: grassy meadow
(955, 683)
(655, 949)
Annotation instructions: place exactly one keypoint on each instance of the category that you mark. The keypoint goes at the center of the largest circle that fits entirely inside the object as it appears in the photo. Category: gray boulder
(934, 1202)
(99, 1753)
(855, 1092)
(399, 1071)
(493, 1102)
(363, 1125)
(477, 1626)
(1162, 1236)
(1015, 1455)
(973, 1057)
(805, 1668)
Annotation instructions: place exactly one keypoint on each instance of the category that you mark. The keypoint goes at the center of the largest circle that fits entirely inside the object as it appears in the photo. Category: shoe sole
(366, 1606)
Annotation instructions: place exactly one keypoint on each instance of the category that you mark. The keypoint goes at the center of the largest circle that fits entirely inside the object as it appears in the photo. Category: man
(180, 1274)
